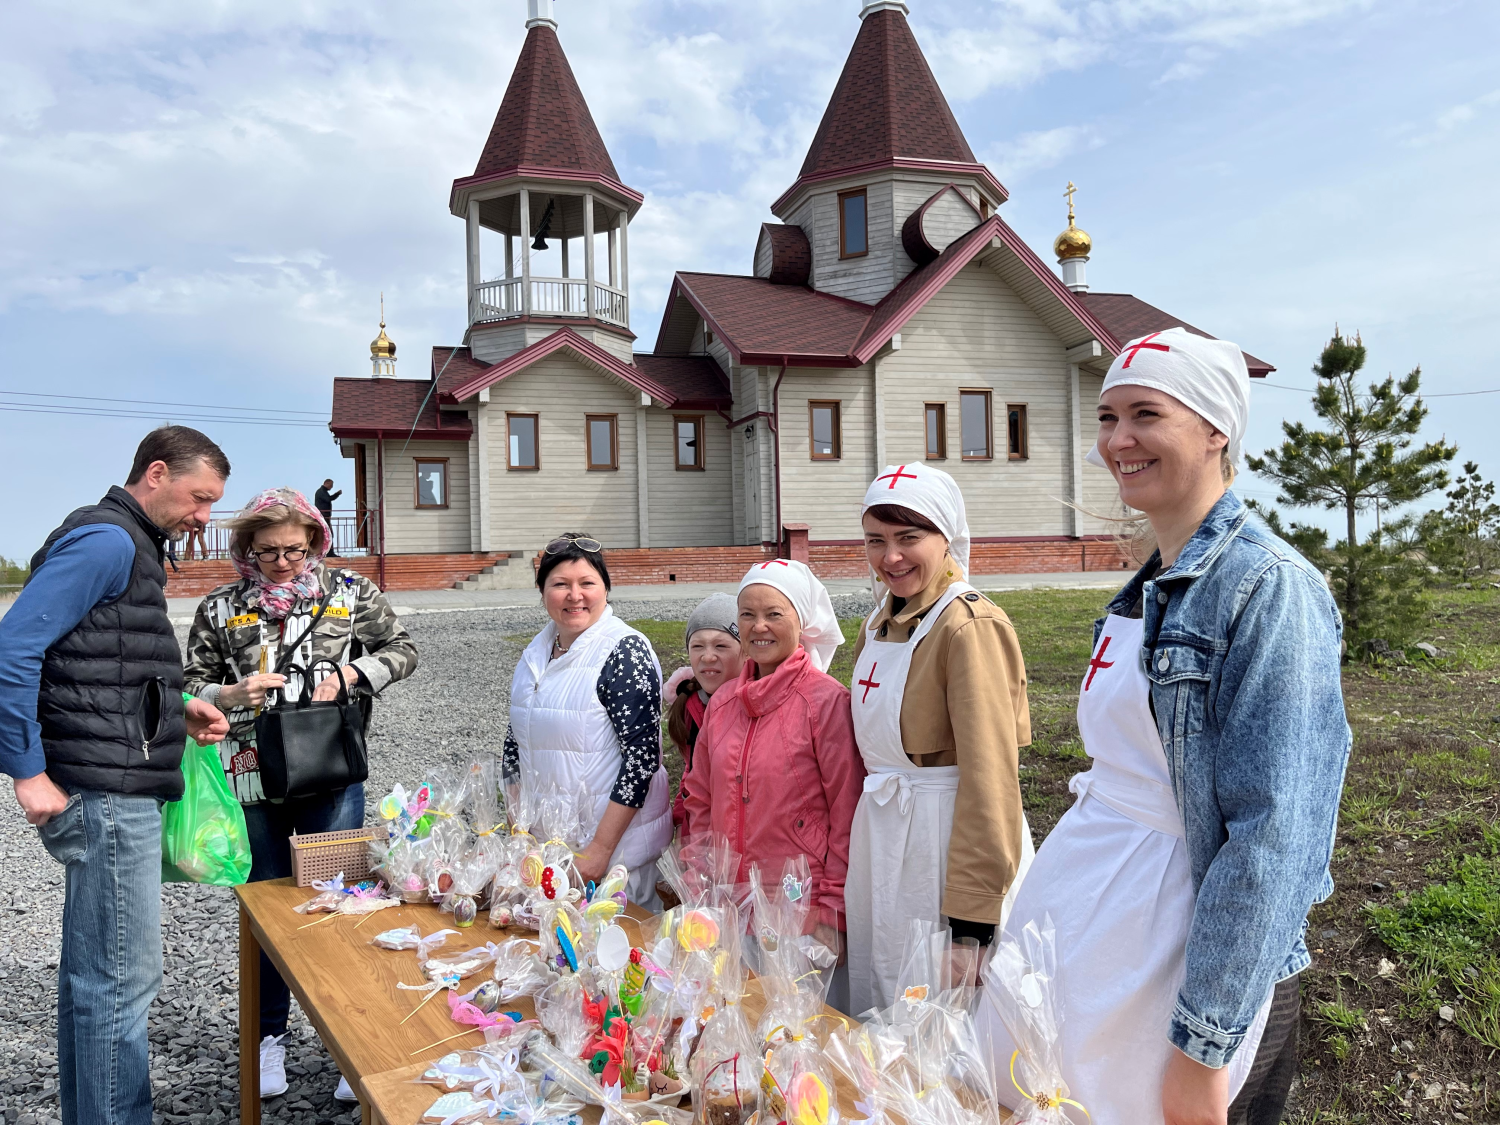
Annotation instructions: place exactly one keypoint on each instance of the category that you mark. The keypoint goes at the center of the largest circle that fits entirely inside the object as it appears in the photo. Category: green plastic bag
(203, 837)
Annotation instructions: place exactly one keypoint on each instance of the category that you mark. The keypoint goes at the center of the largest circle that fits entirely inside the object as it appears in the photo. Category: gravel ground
(451, 708)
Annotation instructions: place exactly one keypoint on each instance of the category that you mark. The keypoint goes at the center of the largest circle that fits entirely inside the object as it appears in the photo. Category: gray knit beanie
(717, 611)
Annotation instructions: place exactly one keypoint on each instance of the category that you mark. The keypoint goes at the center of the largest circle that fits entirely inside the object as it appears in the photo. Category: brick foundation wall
(636, 567)
(402, 572)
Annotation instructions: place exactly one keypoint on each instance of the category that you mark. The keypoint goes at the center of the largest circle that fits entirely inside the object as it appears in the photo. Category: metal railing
(354, 534)
(502, 299)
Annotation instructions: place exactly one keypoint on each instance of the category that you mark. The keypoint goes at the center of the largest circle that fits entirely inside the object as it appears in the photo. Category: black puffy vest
(110, 705)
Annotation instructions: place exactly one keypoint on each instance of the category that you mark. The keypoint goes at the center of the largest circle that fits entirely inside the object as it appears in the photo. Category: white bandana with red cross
(1207, 376)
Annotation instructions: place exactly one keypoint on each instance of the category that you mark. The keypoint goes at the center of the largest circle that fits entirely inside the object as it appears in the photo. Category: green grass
(1450, 932)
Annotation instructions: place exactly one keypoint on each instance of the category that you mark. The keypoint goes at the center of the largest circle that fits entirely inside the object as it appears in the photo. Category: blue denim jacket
(1241, 644)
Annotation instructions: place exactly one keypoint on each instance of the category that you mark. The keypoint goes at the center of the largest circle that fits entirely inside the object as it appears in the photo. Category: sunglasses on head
(582, 542)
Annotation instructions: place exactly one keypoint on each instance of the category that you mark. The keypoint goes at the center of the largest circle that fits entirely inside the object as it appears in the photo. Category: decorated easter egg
(464, 910)
(698, 931)
(531, 870)
(486, 997)
(807, 1100)
(613, 949)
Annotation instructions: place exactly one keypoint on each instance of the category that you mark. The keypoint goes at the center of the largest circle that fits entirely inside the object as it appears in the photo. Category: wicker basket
(322, 855)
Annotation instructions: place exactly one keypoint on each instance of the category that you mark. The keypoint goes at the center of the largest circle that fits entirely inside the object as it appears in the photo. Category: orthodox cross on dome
(1070, 193)
(868, 683)
(899, 474)
(1098, 662)
(383, 349)
(1144, 342)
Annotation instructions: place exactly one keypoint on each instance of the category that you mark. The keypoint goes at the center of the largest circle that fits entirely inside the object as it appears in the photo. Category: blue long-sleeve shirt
(89, 565)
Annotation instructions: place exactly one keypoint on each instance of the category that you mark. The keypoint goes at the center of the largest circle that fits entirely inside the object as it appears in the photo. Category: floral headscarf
(278, 599)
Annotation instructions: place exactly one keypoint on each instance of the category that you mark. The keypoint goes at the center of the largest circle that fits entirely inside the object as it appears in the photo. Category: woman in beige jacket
(940, 714)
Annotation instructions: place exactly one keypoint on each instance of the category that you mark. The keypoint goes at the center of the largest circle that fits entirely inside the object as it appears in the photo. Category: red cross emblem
(1144, 343)
(774, 562)
(1098, 662)
(869, 683)
(899, 474)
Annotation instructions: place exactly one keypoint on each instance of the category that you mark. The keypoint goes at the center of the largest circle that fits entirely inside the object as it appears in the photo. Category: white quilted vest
(566, 739)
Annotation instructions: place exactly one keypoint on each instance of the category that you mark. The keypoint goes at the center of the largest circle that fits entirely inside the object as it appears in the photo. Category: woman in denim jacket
(1179, 882)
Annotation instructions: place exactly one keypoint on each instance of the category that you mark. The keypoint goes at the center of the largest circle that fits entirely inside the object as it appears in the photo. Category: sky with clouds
(203, 201)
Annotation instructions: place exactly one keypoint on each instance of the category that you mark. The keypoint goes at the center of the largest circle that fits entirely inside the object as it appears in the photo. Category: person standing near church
(585, 718)
(940, 712)
(240, 634)
(92, 730)
(323, 501)
(1179, 883)
(776, 772)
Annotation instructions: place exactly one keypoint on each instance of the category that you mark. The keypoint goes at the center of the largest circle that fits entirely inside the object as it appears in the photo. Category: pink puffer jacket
(777, 774)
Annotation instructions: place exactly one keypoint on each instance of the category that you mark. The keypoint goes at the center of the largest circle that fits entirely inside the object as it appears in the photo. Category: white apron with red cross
(1114, 881)
(898, 845)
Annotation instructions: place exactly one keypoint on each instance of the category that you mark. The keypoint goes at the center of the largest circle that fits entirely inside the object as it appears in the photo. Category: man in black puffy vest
(92, 728)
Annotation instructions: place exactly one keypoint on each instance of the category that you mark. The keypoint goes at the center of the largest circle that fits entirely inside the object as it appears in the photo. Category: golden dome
(382, 346)
(1072, 243)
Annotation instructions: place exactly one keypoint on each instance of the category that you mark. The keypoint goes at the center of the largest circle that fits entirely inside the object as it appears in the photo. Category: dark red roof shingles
(887, 105)
(757, 318)
(1129, 318)
(544, 121)
(362, 406)
(453, 367)
(690, 378)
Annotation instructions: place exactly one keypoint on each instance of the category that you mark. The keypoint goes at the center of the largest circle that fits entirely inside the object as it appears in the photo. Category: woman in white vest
(585, 716)
(940, 714)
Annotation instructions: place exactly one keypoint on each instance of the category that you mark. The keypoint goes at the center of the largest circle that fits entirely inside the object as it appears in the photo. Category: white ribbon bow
(883, 786)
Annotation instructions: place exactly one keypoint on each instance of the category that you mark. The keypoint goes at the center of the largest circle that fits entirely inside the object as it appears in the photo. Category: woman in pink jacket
(776, 771)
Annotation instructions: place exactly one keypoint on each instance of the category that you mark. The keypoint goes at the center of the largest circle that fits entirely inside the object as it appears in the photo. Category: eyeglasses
(291, 554)
(582, 542)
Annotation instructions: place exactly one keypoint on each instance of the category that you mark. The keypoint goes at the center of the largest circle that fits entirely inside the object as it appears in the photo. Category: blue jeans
(270, 827)
(110, 968)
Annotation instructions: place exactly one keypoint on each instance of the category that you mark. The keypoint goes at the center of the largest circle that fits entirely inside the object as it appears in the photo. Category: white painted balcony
(504, 299)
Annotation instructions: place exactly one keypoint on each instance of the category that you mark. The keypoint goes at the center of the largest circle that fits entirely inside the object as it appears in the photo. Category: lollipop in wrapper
(1022, 984)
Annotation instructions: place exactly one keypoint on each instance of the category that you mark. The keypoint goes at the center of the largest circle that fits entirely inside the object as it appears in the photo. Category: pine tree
(1363, 456)
(1464, 538)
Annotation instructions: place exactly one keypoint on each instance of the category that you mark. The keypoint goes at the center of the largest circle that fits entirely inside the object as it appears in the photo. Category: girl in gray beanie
(713, 645)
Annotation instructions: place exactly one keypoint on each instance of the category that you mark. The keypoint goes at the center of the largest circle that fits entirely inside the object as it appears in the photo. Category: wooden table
(348, 989)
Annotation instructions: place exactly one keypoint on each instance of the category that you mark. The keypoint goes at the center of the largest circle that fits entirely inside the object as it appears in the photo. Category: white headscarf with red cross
(1209, 377)
(929, 492)
(821, 635)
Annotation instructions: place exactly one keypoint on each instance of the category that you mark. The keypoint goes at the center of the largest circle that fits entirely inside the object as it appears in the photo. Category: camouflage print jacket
(230, 641)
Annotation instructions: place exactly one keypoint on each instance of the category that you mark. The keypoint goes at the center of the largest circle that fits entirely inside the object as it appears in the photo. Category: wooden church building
(890, 316)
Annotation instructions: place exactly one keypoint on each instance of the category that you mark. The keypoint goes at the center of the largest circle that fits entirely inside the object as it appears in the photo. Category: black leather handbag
(306, 748)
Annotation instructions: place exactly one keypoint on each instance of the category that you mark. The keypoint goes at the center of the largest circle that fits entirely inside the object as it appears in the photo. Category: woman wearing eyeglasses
(585, 717)
(278, 545)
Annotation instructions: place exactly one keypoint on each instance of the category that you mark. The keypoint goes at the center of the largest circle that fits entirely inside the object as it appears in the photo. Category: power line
(180, 406)
(143, 416)
(1445, 394)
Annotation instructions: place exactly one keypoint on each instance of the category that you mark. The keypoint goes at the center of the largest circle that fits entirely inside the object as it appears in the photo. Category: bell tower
(545, 178)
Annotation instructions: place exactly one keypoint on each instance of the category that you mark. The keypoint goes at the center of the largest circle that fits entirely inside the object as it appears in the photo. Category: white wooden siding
(563, 495)
(690, 507)
(978, 334)
(1100, 493)
(413, 530)
(947, 219)
(826, 495)
(867, 278)
(762, 267)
